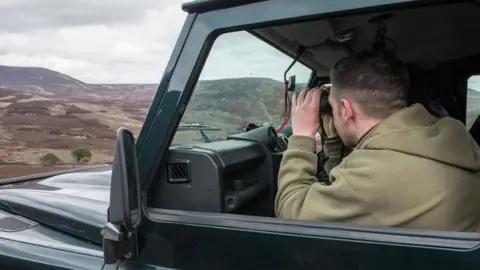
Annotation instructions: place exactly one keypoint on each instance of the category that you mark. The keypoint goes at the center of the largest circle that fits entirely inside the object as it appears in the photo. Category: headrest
(418, 84)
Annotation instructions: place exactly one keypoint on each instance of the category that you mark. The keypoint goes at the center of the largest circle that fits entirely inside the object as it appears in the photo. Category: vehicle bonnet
(76, 203)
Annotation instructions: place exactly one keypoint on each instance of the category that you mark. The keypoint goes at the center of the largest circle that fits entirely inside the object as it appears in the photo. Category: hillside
(250, 98)
(473, 93)
(37, 76)
(230, 104)
(44, 111)
(37, 80)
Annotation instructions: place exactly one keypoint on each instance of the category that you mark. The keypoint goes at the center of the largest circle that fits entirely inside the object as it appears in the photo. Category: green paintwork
(182, 240)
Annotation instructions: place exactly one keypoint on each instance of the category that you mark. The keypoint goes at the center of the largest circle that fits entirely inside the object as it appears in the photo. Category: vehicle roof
(199, 6)
(427, 35)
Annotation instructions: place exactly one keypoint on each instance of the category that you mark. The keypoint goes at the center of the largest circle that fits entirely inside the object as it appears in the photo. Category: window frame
(175, 91)
(454, 241)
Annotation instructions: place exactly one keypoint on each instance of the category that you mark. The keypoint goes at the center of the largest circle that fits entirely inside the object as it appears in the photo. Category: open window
(218, 181)
(215, 165)
(472, 121)
(241, 85)
(473, 100)
(228, 145)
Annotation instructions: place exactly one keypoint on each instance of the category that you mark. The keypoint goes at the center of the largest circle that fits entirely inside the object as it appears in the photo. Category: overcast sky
(474, 83)
(119, 41)
(123, 41)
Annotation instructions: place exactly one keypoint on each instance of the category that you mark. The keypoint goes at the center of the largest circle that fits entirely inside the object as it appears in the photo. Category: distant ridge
(473, 92)
(10, 76)
(16, 75)
(43, 81)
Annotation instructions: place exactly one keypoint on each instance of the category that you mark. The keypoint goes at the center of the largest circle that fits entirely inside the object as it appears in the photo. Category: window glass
(473, 100)
(241, 83)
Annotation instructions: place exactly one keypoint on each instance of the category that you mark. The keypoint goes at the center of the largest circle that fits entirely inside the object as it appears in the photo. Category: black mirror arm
(301, 50)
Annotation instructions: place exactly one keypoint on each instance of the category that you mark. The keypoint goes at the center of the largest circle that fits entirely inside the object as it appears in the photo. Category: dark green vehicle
(209, 205)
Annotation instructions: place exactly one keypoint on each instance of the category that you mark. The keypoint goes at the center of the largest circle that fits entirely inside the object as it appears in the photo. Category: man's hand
(305, 112)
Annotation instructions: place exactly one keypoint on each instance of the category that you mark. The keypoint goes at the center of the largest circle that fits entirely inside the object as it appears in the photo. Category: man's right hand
(305, 117)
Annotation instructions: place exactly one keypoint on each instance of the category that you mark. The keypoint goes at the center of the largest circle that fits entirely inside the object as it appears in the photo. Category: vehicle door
(173, 237)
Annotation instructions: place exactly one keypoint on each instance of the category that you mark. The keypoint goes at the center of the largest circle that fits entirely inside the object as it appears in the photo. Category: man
(408, 168)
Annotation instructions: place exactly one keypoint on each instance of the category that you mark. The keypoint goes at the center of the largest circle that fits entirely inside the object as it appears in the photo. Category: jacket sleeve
(333, 151)
(300, 196)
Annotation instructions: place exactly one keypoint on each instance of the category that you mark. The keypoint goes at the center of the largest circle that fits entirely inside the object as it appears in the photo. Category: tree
(50, 159)
(81, 154)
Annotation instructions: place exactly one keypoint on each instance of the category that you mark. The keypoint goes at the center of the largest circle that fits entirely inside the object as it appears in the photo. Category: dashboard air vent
(178, 172)
(282, 143)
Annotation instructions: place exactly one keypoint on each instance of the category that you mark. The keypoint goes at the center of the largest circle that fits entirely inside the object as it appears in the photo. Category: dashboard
(236, 175)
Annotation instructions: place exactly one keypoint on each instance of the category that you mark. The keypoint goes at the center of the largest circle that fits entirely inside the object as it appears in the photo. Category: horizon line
(133, 83)
(156, 83)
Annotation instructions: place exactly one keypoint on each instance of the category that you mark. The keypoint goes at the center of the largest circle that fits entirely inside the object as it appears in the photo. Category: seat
(420, 91)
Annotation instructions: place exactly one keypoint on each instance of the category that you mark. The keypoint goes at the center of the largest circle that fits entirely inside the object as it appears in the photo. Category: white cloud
(474, 83)
(113, 51)
(119, 41)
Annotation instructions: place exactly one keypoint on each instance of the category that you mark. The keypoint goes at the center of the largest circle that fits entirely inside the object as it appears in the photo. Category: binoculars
(325, 107)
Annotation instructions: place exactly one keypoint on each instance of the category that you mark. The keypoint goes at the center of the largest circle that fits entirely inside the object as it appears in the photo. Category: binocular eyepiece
(325, 107)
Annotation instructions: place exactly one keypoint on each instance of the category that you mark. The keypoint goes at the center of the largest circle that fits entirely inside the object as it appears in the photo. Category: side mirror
(124, 213)
(291, 84)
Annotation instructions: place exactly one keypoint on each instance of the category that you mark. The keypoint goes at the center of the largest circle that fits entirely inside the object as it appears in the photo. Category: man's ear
(348, 113)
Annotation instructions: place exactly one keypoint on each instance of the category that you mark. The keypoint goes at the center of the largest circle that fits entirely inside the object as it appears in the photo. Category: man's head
(366, 88)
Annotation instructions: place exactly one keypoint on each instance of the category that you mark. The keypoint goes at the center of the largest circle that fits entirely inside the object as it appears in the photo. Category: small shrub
(50, 159)
(81, 154)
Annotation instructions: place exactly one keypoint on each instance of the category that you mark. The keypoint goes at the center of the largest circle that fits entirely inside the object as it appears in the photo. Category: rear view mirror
(124, 213)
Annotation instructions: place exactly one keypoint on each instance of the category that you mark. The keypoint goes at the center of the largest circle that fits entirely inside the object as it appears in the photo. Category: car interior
(239, 174)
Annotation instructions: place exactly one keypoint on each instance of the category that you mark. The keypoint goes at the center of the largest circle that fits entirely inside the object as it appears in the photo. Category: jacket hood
(414, 131)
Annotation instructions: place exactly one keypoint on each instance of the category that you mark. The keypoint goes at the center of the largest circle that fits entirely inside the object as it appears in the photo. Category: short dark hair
(376, 80)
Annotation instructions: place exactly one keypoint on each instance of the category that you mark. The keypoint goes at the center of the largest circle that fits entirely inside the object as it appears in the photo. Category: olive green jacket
(410, 170)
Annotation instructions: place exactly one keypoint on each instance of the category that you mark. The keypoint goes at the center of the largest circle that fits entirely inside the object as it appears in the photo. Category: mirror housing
(124, 212)
(291, 84)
